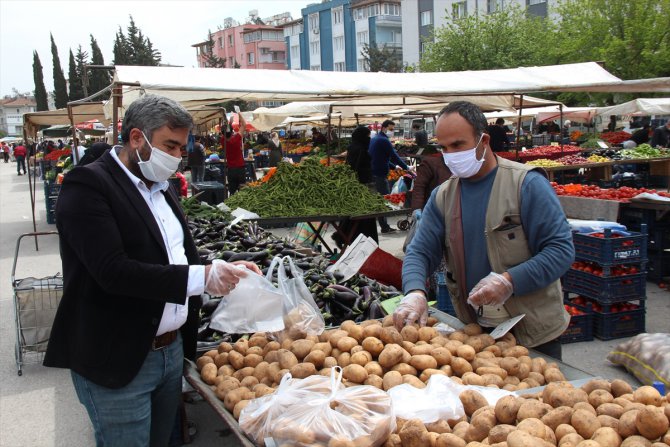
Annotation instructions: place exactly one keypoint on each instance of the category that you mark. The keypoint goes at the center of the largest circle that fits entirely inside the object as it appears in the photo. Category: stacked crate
(51, 191)
(609, 274)
(658, 244)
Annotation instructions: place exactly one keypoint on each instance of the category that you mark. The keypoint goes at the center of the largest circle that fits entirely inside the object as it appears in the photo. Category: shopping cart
(35, 304)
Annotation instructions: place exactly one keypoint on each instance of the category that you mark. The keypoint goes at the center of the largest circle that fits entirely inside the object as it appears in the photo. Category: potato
(599, 397)
(427, 333)
(335, 336)
(254, 350)
(538, 365)
(452, 345)
(441, 355)
(371, 330)
(392, 441)
(620, 387)
(300, 348)
(208, 372)
(355, 373)
(651, 422)
(532, 426)
(449, 440)
(410, 334)
(567, 397)
(480, 426)
(204, 360)
(390, 335)
(404, 368)
(627, 425)
(585, 423)
(344, 359)
(499, 433)
(585, 406)
(557, 416)
(519, 438)
(345, 344)
(302, 370)
(597, 384)
(252, 360)
(563, 430)
(553, 375)
(427, 373)
(515, 351)
(234, 396)
(472, 400)
(329, 362)
(241, 346)
(391, 355)
(466, 352)
(375, 381)
(421, 362)
(286, 359)
(460, 428)
(460, 366)
(426, 349)
(391, 379)
(472, 329)
(606, 436)
(236, 360)
(470, 378)
(608, 421)
(588, 443)
(414, 434)
(224, 346)
(317, 358)
(374, 368)
(373, 345)
(440, 426)
(244, 372)
(458, 336)
(249, 382)
(636, 441)
(413, 380)
(507, 408)
(221, 359)
(570, 440)
(532, 409)
(387, 321)
(610, 409)
(647, 395)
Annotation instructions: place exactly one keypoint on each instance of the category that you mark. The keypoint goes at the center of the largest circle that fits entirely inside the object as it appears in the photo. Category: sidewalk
(40, 408)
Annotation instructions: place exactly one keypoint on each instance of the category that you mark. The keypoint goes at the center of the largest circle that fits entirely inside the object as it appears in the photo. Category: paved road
(40, 408)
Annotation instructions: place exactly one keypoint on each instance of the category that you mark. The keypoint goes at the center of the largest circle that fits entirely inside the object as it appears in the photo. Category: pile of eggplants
(358, 298)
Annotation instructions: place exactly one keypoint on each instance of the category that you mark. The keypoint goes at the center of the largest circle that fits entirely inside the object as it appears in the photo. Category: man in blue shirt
(503, 233)
(382, 158)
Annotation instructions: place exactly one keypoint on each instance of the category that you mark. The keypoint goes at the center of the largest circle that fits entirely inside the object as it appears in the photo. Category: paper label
(602, 144)
(505, 326)
(553, 143)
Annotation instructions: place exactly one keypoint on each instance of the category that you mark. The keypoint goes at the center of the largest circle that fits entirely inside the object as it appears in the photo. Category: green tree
(75, 79)
(98, 78)
(60, 86)
(121, 50)
(384, 59)
(506, 38)
(211, 59)
(134, 48)
(81, 60)
(40, 90)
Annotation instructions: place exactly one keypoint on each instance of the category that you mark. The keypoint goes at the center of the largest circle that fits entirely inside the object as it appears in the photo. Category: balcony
(395, 21)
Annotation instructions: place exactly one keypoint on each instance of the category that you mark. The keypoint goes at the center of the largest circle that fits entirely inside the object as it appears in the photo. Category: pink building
(248, 45)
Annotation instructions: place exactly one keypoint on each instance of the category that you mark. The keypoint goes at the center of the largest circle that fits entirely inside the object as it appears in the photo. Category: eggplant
(249, 256)
(375, 311)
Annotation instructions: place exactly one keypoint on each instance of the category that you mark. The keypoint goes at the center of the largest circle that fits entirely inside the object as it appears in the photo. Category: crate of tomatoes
(618, 320)
(608, 247)
(580, 327)
(620, 283)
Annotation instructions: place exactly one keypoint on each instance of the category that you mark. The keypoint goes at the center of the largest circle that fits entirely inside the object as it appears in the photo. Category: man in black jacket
(132, 282)
(498, 141)
(661, 136)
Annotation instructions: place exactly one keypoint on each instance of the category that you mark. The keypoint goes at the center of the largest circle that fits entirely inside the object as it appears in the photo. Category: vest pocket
(510, 241)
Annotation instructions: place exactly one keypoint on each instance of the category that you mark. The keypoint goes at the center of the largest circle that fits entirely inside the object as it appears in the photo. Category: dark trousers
(382, 187)
(5, 155)
(20, 163)
(236, 177)
(551, 348)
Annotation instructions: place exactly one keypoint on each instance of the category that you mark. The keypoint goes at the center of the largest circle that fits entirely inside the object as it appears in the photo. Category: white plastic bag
(399, 186)
(254, 305)
(438, 400)
(301, 314)
(362, 414)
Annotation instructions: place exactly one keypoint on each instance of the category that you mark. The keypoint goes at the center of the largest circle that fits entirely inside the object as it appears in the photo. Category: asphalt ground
(40, 408)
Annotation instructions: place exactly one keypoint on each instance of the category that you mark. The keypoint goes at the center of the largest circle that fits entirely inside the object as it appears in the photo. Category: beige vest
(506, 245)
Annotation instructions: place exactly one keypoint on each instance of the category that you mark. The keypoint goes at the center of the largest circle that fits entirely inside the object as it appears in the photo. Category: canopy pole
(518, 127)
(328, 139)
(116, 103)
(560, 135)
(357, 122)
(31, 185)
(339, 135)
(75, 139)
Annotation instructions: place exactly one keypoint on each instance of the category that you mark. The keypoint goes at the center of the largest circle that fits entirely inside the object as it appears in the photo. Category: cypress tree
(98, 78)
(40, 90)
(76, 85)
(60, 86)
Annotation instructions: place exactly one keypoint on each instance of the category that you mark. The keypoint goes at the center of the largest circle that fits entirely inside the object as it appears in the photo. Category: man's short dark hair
(470, 112)
(387, 123)
(416, 126)
(151, 112)
(500, 121)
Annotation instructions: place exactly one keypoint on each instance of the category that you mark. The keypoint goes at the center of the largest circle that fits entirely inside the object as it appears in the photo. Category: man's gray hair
(151, 112)
(470, 113)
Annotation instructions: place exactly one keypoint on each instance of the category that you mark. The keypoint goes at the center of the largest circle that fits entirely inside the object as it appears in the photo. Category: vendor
(639, 137)
(420, 135)
(276, 154)
(661, 137)
(498, 136)
(502, 231)
(234, 147)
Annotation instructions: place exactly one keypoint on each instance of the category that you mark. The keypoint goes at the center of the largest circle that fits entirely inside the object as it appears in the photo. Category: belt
(164, 340)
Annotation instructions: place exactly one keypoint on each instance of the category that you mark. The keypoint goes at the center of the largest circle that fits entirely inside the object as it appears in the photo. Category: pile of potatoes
(599, 414)
(372, 353)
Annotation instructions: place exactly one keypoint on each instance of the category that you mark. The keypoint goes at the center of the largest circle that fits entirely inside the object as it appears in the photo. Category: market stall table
(336, 221)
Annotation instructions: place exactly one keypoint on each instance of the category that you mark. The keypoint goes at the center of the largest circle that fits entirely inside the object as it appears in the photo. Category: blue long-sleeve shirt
(546, 228)
(382, 155)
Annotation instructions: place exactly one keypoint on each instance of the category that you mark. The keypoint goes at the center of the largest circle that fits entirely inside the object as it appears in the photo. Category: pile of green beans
(309, 189)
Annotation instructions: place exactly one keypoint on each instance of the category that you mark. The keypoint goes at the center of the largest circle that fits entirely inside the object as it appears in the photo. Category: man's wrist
(419, 291)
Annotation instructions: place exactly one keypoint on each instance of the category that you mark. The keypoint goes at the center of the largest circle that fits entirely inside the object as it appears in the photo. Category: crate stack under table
(51, 191)
(658, 243)
(607, 283)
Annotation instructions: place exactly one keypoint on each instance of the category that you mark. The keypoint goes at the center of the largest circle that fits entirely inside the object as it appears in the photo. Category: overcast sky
(172, 25)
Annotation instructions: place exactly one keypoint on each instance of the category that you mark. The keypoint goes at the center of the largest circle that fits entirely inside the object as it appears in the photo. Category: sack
(317, 409)
(302, 316)
(303, 233)
(254, 305)
(399, 186)
(646, 356)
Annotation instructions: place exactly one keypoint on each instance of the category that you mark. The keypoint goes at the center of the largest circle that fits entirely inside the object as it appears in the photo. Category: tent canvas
(639, 106)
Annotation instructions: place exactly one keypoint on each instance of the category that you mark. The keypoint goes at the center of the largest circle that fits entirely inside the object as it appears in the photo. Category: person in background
(61, 145)
(565, 135)
(20, 154)
(498, 136)
(132, 280)
(234, 145)
(641, 135)
(502, 232)
(611, 126)
(276, 153)
(420, 135)
(383, 156)
(81, 151)
(661, 136)
(431, 173)
(5, 151)
(196, 160)
(317, 137)
(96, 151)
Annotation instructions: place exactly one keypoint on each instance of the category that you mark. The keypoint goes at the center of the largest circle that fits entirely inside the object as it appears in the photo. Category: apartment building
(12, 110)
(422, 16)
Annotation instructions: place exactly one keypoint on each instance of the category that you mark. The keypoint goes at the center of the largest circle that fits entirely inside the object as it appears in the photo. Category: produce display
(622, 194)
(545, 163)
(596, 269)
(56, 154)
(642, 151)
(398, 199)
(570, 160)
(549, 152)
(595, 158)
(615, 137)
(309, 189)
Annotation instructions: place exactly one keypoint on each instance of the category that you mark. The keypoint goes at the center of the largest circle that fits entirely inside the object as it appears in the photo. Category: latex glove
(224, 276)
(416, 214)
(494, 289)
(412, 308)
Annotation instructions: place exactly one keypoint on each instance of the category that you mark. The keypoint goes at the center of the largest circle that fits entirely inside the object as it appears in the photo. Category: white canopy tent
(640, 106)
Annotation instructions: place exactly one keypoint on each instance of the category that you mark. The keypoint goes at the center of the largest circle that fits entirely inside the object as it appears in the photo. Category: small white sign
(505, 327)
(602, 144)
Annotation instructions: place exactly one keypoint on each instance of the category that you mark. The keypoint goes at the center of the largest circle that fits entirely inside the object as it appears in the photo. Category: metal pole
(31, 186)
(518, 127)
(75, 139)
(330, 111)
(116, 103)
(560, 135)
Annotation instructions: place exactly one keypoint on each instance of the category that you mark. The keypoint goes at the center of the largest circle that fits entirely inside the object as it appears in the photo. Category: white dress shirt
(174, 315)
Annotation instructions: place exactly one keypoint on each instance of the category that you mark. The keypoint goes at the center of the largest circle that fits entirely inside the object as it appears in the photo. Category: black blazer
(117, 277)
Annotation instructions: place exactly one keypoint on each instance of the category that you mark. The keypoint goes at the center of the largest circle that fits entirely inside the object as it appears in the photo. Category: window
(535, 2)
(251, 60)
(230, 40)
(491, 6)
(315, 67)
(338, 43)
(295, 51)
(362, 37)
(424, 47)
(391, 9)
(220, 41)
(373, 10)
(362, 65)
(314, 21)
(426, 18)
(337, 15)
(396, 36)
(360, 14)
(314, 47)
(339, 66)
(459, 10)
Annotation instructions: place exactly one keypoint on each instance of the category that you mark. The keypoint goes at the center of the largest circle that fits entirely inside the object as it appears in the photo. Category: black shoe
(19, 173)
(388, 230)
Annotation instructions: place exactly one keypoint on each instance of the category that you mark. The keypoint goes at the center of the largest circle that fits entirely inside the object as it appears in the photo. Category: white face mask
(160, 165)
(464, 164)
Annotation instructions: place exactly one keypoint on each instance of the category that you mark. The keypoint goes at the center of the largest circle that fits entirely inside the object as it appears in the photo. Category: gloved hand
(416, 214)
(224, 276)
(412, 308)
(494, 289)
